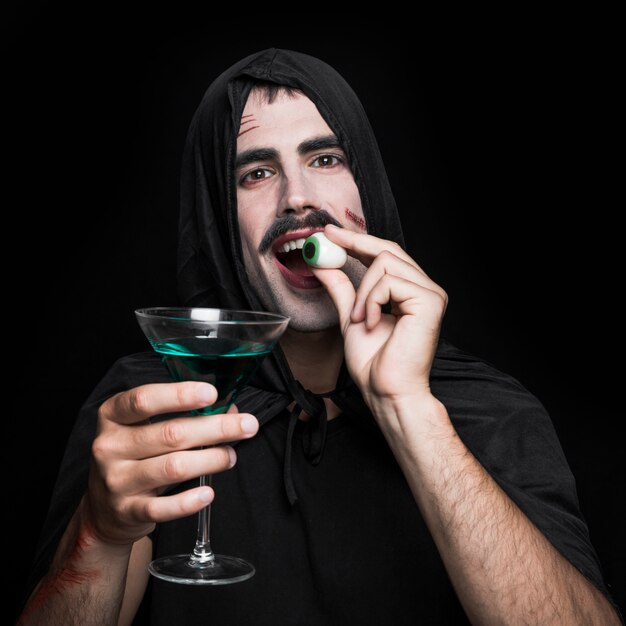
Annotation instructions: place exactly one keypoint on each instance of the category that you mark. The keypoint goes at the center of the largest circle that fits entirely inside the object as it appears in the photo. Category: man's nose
(297, 195)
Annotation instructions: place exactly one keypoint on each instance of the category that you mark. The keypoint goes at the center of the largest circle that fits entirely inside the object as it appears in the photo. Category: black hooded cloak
(323, 511)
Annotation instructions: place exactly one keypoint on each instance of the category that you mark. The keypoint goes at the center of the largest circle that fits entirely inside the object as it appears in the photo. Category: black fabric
(354, 513)
(349, 501)
(355, 549)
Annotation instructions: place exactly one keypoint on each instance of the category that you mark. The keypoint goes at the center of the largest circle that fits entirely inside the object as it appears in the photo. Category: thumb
(340, 290)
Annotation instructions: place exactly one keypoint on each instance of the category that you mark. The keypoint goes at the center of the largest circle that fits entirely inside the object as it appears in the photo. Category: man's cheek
(351, 216)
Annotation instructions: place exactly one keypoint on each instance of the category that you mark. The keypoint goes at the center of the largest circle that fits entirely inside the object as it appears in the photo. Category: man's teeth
(292, 245)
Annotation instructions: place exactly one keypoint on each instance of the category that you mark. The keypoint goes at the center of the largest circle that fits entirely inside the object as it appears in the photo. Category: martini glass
(224, 348)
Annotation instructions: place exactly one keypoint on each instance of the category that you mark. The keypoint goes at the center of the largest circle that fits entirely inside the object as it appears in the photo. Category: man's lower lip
(295, 280)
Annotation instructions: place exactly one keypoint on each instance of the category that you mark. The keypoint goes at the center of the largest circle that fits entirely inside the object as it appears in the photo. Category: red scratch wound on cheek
(359, 221)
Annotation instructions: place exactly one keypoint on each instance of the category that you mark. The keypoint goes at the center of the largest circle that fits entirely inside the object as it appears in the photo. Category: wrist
(412, 420)
(84, 557)
(91, 539)
(421, 401)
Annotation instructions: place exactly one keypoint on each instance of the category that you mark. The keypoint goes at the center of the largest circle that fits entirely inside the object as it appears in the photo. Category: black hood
(211, 270)
(210, 264)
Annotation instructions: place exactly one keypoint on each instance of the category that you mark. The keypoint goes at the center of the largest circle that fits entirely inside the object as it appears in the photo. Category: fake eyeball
(319, 251)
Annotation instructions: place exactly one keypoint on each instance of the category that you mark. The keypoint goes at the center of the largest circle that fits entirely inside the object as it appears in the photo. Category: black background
(498, 136)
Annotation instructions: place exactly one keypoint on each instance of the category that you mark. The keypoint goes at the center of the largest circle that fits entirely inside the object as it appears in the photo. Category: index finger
(140, 403)
(366, 247)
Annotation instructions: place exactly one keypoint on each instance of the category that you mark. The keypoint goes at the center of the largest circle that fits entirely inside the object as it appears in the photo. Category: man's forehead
(286, 110)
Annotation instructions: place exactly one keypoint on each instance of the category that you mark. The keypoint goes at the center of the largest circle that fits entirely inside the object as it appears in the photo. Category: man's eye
(326, 160)
(256, 176)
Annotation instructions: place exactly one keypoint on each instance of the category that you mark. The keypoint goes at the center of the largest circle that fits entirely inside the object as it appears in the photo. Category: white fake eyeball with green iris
(319, 251)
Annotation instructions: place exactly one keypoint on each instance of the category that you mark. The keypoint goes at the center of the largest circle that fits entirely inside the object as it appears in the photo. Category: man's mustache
(314, 219)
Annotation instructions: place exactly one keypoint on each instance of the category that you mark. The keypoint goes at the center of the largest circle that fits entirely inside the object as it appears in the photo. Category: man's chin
(309, 328)
(310, 311)
(311, 317)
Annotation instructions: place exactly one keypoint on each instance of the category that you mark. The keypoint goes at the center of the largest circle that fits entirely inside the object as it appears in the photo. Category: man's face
(292, 179)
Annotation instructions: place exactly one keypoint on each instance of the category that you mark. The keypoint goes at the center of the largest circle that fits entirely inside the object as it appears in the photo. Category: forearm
(503, 569)
(85, 584)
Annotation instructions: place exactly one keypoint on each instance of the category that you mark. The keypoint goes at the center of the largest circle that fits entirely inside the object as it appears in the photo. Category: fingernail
(249, 424)
(233, 457)
(206, 393)
(332, 227)
(205, 496)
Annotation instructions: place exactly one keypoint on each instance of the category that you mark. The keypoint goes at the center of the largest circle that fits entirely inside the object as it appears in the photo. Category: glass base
(182, 569)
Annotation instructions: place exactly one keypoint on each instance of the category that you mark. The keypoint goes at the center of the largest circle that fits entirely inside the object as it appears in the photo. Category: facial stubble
(310, 310)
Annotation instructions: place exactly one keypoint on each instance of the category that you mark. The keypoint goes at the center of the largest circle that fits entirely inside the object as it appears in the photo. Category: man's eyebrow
(255, 154)
(271, 154)
(318, 143)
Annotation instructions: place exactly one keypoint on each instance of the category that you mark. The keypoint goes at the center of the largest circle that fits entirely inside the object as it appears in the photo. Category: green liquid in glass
(225, 363)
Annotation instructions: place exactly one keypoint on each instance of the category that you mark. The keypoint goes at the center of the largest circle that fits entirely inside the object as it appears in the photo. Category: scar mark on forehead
(250, 120)
(359, 221)
(247, 119)
(247, 130)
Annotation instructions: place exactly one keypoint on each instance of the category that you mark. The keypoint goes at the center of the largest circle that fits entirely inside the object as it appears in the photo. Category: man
(375, 473)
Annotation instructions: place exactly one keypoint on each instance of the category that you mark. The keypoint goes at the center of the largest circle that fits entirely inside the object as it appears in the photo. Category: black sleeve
(512, 436)
(71, 482)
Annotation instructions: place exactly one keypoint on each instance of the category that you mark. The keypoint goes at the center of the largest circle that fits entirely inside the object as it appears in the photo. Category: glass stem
(202, 552)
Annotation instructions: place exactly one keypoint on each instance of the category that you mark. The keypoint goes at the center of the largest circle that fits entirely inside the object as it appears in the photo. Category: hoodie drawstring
(313, 436)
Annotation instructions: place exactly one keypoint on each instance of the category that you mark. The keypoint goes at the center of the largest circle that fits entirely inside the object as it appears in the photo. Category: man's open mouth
(287, 251)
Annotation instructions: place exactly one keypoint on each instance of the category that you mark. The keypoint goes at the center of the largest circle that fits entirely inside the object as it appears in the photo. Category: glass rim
(151, 313)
